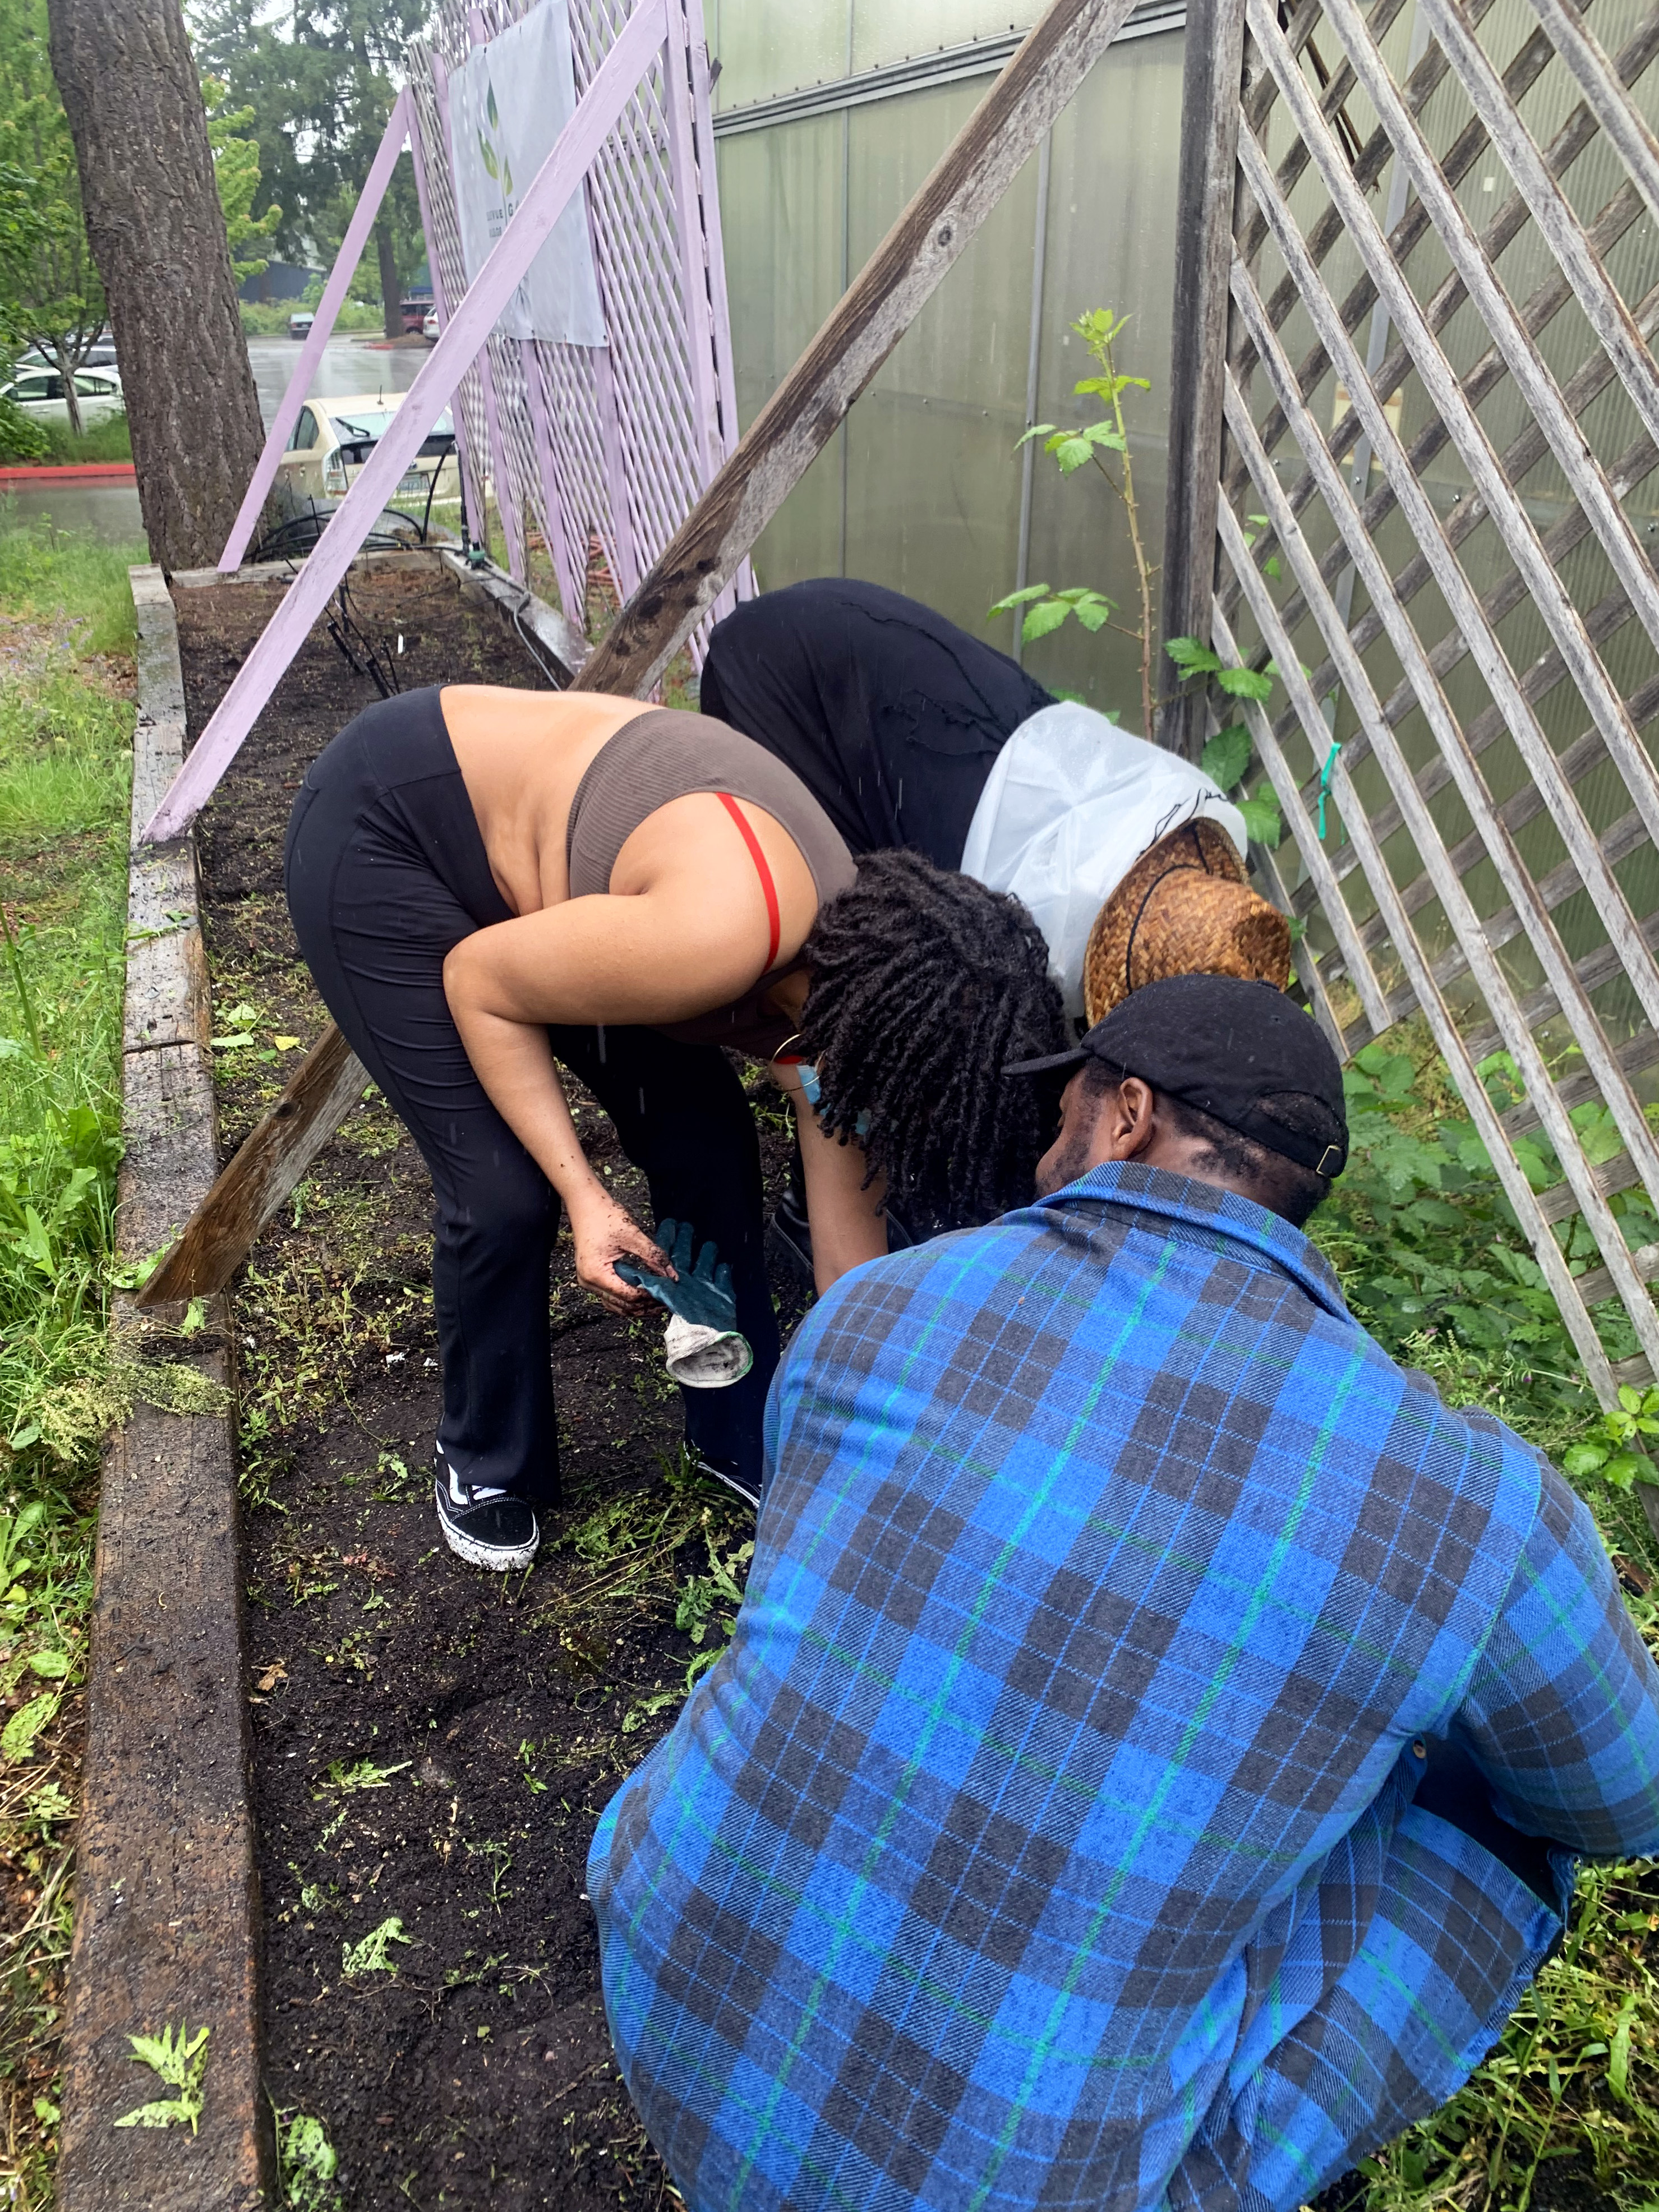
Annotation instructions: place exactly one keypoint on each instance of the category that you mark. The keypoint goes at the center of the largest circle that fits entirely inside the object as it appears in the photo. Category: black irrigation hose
(299, 535)
(364, 654)
(556, 673)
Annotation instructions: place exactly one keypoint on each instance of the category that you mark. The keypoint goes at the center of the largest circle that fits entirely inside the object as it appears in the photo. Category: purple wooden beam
(507, 498)
(434, 388)
(472, 506)
(322, 329)
(742, 586)
(693, 249)
(558, 547)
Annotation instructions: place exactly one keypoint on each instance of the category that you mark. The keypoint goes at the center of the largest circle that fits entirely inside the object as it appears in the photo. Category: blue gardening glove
(702, 1296)
(702, 1348)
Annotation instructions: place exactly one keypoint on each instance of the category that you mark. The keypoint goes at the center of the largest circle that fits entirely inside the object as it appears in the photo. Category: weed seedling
(306, 2164)
(180, 2061)
(361, 1774)
(392, 1479)
(372, 1955)
(500, 1859)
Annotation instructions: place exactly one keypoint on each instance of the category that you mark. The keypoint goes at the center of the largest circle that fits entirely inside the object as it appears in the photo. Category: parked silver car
(334, 437)
(40, 393)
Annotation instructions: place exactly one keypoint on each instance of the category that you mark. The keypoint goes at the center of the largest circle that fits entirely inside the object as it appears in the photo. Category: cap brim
(1073, 1059)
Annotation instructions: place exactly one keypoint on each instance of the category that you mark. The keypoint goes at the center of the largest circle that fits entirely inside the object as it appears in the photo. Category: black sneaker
(486, 1527)
(789, 1238)
(789, 1234)
(718, 1471)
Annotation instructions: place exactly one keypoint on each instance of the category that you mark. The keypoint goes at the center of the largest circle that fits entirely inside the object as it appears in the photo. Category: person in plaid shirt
(1154, 1749)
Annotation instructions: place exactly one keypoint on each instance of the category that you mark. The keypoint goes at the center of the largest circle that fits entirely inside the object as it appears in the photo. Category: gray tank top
(664, 755)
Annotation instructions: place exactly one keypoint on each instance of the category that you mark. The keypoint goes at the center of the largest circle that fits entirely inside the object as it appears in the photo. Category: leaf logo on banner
(499, 168)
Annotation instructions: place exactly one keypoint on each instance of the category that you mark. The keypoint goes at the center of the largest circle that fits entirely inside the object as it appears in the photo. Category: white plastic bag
(1070, 805)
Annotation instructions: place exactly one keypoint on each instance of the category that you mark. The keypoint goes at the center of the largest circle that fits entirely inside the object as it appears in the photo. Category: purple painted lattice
(616, 442)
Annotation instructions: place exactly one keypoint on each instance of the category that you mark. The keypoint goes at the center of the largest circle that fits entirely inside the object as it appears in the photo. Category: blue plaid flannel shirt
(1045, 1837)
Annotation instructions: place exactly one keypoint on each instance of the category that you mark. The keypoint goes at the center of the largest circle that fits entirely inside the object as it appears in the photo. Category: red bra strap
(773, 914)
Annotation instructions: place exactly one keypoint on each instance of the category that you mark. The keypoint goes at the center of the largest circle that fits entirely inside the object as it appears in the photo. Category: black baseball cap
(1236, 1050)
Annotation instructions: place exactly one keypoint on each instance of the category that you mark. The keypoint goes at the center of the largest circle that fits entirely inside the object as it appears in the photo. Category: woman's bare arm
(659, 957)
(848, 1226)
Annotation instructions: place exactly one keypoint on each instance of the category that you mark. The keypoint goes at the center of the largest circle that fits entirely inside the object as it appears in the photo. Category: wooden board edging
(553, 631)
(165, 1908)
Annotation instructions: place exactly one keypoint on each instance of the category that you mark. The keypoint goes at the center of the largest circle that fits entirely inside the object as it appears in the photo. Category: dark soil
(431, 1745)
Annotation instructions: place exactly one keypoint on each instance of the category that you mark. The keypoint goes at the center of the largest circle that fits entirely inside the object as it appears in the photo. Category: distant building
(278, 280)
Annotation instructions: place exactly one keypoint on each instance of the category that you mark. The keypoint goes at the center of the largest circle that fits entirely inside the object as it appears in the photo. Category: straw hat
(1183, 909)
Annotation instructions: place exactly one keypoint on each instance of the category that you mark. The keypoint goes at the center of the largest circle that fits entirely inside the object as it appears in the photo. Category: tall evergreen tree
(320, 77)
(236, 173)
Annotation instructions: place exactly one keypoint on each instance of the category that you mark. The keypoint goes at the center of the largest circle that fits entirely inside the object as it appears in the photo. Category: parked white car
(429, 327)
(299, 322)
(333, 438)
(38, 392)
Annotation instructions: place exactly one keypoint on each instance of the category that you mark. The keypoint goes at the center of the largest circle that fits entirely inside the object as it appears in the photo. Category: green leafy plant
(1228, 757)
(1231, 754)
(373, 1955)
(360, 1774)
(180, 2061)
(1427, 1245)
(1614, 1449)
(236, 174)
(306, 2165)
(701, 1596)
(1102, 442)
(17, 1737)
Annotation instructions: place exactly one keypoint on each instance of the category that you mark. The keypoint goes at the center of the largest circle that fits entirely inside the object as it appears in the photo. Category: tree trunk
(129, 84)
(391, 289)
(66, 368)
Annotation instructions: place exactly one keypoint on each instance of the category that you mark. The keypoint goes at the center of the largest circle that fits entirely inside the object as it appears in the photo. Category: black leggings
(386, 871)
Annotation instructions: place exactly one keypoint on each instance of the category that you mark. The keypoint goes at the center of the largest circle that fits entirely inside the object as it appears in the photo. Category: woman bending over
(489, 885)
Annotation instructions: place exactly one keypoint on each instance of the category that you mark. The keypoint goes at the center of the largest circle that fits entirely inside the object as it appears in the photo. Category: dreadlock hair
(924, 985)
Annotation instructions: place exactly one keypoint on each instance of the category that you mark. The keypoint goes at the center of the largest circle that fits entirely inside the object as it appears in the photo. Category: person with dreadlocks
(491, 884)
(910, 733)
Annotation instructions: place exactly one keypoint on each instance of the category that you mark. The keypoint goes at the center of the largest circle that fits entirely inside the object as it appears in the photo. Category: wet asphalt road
(109, 512)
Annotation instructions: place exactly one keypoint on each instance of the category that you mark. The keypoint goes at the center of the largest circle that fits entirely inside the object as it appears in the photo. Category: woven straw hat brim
(1184, 909)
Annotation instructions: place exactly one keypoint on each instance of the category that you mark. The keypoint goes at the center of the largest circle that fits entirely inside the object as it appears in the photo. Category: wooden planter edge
(166, 1931)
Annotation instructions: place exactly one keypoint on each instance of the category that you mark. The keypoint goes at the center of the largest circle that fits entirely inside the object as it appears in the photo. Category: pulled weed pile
(65, 750)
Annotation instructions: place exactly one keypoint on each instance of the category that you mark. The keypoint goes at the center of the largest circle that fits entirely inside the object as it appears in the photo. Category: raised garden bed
(431, 1746)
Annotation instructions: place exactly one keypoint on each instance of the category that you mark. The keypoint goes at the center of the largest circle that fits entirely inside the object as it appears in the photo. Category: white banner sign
(507, 105)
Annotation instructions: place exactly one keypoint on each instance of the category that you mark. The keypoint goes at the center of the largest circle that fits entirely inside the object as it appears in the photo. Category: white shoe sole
(499, 1559)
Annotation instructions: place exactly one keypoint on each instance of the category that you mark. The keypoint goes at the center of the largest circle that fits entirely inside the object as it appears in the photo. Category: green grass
(65, 756)
(63, 579)
(109, 440)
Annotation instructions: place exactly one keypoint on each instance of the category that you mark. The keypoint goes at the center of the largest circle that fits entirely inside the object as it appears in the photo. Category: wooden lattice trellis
(616, 442)
(1420, 249)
